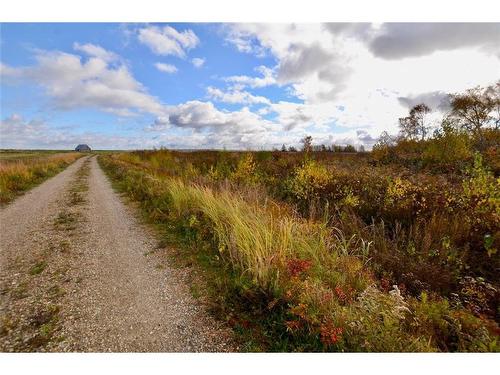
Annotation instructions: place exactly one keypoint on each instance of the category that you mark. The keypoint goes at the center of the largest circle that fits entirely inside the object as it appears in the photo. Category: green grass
(66, 220)
(38, 268)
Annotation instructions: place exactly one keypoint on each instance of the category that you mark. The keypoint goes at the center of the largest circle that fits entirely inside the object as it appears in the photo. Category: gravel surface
(103, 286)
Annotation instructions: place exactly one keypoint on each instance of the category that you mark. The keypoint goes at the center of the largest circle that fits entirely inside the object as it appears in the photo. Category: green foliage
(481, 193)
(449, 329)
(308, 181)
(449, 149)
(483, 187)
(246, 171)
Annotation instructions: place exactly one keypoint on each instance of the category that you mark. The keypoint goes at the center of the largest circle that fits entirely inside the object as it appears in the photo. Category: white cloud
(166, 68)
(198, 62)
(73, 84)
(267, 78)
(236, 96)
(9, 73)
(199, 115)
(168, 41)
(18, 132)
(96, 51)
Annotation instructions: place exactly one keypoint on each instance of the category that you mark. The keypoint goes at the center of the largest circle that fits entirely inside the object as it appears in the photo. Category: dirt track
(80, 273)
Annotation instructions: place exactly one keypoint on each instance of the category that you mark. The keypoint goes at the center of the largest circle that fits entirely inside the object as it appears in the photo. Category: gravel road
(79, 272)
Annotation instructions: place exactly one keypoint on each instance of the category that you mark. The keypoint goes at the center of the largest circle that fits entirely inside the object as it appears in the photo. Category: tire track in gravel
(115, 298)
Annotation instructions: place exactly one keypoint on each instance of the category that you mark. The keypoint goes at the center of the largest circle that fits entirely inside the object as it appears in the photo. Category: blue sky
(235, 86)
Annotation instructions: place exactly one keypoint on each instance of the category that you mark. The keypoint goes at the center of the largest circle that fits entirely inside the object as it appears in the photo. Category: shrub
(308, 181)
(246, 171)
(450, 149)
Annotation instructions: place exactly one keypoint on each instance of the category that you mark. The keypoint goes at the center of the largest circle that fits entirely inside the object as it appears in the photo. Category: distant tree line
(307, 146)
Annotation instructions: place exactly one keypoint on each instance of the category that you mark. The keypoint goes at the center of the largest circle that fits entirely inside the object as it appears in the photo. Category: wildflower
(298, 266)
(299, 310)
(385, 284)
(327, 296)
(340, 294)
(330, 334)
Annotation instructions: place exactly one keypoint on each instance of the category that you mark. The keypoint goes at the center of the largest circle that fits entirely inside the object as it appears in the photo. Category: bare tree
(415, 125)
(493, 94)
(307, 142)
(385, 140)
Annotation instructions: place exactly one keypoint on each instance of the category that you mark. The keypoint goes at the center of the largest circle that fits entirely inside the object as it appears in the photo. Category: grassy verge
(436, 233)
(21, 173)
(290, 284)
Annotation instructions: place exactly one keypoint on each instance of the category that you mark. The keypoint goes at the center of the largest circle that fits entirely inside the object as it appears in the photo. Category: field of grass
(318, 251)
(22, 170)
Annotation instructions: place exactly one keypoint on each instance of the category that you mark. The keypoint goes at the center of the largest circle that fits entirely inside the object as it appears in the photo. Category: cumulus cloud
(166, 68)
(365, 138)
(308, 58)
(95, 51)
(168, 41)
(302, 61)
(236, 96)
(243, 39)
(10, 73)
(73, 84)
(200, 115)
(267, 78)
(292, 115)
(198, 62)
(18, 132)
(359, 30)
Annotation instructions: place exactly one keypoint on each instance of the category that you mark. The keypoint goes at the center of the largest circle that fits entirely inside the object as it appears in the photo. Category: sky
(230, 86)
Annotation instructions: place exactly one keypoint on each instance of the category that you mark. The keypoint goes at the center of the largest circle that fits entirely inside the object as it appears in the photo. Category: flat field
(20, 170)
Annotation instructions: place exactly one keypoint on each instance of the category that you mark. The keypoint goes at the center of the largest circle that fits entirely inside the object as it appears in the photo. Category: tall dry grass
(21, 174)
